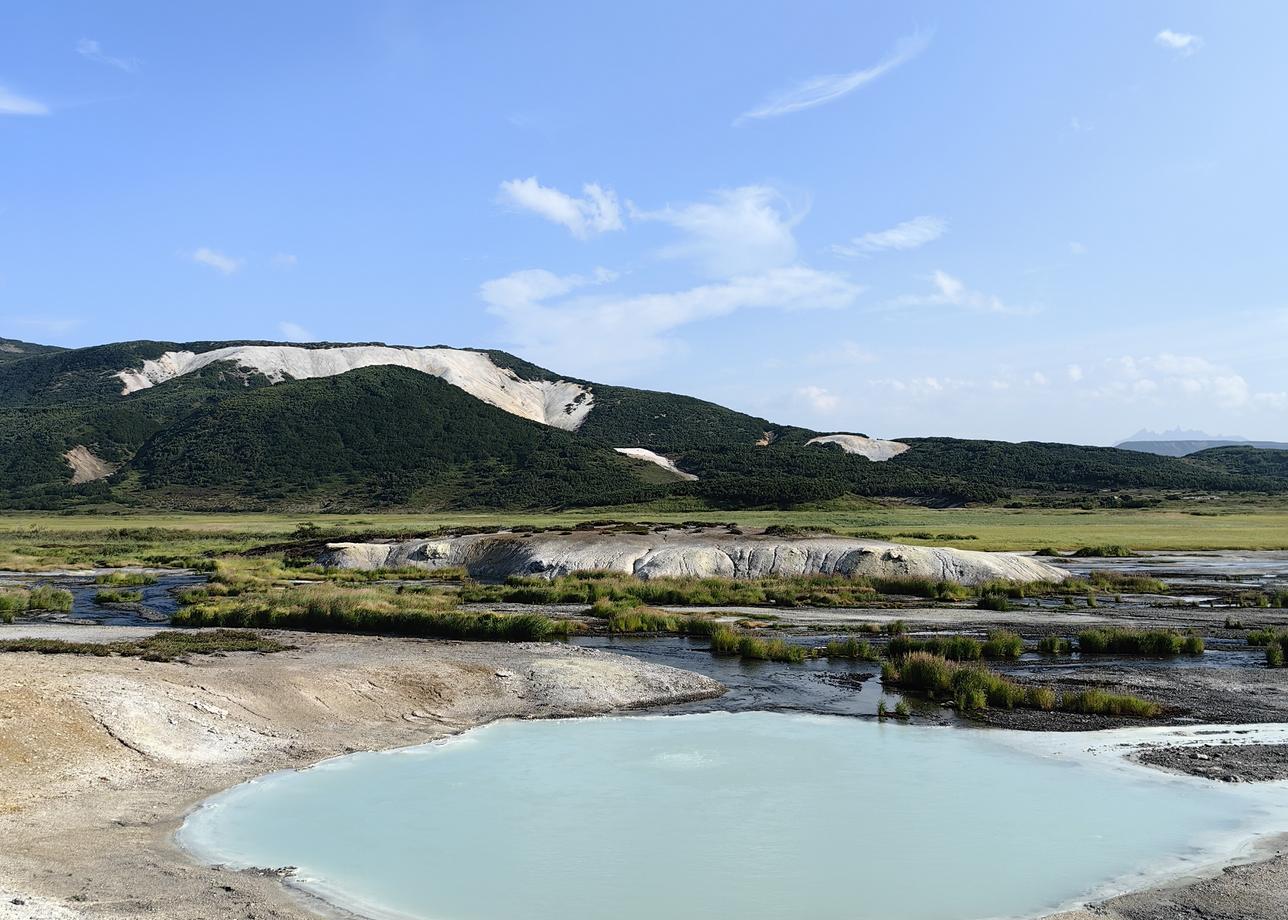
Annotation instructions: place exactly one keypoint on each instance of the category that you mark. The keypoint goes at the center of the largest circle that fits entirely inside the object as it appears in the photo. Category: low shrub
(1102, 703)
(1002, 644)
(994, 600)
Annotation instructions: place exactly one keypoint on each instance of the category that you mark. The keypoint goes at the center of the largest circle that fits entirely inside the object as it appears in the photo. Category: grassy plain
(30, 540)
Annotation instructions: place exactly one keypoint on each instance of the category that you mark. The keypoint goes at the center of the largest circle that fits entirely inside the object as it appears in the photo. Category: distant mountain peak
(1179, 434)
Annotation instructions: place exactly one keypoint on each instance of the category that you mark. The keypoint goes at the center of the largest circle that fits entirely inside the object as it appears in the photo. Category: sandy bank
(103, 756)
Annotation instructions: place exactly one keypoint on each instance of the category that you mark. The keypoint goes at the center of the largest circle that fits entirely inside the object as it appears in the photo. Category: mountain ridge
(243, 424)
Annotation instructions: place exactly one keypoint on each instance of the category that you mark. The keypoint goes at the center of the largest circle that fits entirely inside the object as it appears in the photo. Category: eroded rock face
(874, 449)
(552, 402)
(659, 555)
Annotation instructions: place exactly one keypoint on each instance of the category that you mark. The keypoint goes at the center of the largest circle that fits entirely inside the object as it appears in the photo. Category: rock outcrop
(657, 555)
(874, 449)
(648, 456)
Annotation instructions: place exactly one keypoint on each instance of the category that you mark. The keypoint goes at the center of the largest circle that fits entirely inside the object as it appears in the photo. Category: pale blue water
(748, 815)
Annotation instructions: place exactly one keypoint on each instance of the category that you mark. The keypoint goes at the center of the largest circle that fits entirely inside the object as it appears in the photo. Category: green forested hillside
(388, 437)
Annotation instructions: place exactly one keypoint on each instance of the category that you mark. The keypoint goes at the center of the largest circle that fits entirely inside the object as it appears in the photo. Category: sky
(1028, 221)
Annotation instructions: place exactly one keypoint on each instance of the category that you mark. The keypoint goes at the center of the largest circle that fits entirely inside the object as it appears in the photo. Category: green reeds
(1155, 643)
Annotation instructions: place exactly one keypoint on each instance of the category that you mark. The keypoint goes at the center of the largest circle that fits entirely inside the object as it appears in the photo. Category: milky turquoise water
(748, 815)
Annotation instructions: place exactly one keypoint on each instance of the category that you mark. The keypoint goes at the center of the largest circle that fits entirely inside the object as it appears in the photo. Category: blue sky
(1055, 221)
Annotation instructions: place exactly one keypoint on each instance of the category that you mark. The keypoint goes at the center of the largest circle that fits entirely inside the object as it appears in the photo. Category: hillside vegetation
(225, 437)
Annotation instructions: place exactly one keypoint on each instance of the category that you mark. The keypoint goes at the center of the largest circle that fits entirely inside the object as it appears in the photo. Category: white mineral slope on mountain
(643, 453)
(873, 448)
(559, 403)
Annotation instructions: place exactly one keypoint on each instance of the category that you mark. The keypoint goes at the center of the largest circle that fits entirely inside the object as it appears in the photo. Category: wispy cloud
(820, 399)
(597, 212)
(953, 292)
(294, 332)
(828, 88)
(13, 104)
(91, 50)
(739, 231)
(544, 322)
(908, 235)
(1077, 249)
(1182, 43)
(285, 260)
(222, 263)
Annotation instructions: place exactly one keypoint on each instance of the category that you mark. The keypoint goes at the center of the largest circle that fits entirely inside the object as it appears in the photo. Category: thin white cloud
(597, 212)
(1077, 249)
(828, 88)
(91, 50)
(846, 354)
(908, 235)
(285, 260)
(294, 332)
(820, 399)
(220, 262)
(1182, 43)
(13, 104)
(609, 330)
(1074, 372)
(953, 292)
(740, 231)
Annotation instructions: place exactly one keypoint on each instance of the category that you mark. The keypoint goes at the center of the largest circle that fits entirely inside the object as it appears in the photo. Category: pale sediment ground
(102, 757)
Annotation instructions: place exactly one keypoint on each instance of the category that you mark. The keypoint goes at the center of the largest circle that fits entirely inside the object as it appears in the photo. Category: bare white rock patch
(643, 453)
(559, 403)
(874, 449)
(86, 467)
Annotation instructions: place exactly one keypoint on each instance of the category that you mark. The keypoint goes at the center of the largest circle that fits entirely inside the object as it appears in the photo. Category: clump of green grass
(423, 613)
(994, 600)
(1047, 551)
(852, 648)
(1275, 643)
(12, 601)
(169, 645)
(1054, 645)
(125, 579)
(972, 687)
(1155, 643)
(1103, 551)
(1002, 644)
(954, 648)
(117, 596)
(1122, 582)
(728, 641)
(902, 710)
(1102, 703)
(41, 597)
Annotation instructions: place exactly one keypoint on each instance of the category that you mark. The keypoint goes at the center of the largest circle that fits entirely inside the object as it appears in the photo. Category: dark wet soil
(1230, 762)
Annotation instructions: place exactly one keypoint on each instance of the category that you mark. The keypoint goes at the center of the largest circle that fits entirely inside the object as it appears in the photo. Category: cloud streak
(821, 90)
(224, 264)
(953, 292)
(91, 50)
(597, 212)
(13, 104)
(910, 234)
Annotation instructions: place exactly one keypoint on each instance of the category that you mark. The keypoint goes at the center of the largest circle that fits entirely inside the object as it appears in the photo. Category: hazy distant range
(1180, 442)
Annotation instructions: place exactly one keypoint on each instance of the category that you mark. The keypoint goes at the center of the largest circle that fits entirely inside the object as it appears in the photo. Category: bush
(163, 646)
(994, 600)
(954, 648)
